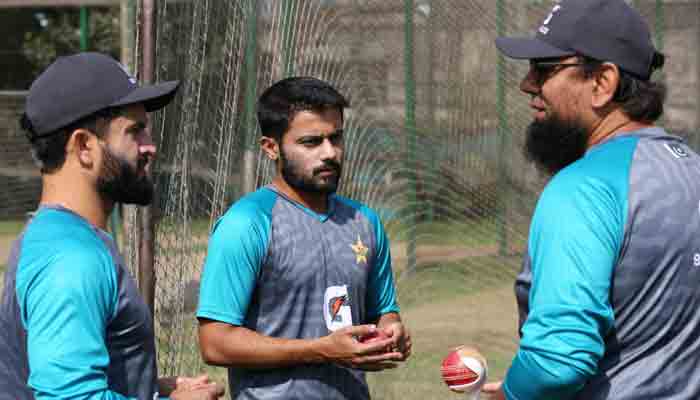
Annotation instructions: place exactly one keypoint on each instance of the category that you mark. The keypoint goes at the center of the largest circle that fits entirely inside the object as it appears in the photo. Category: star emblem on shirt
(360, 251)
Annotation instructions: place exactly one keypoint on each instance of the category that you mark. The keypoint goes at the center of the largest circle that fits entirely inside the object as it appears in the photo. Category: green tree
(14, 71)
(60, 34)
(32, 38)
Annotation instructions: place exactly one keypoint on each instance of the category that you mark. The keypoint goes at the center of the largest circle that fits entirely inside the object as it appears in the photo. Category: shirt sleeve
(66, 304)
(381, 293)
(236, 251)
(575, 237)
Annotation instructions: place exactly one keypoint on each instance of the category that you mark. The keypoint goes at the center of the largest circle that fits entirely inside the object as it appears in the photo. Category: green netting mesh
(433, 143)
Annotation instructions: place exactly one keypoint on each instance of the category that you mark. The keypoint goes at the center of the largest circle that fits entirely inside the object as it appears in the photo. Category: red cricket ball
(464, 369)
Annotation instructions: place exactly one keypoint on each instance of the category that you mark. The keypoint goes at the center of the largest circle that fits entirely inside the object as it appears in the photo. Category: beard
(119, 182)
(292, 172)
(554, 143)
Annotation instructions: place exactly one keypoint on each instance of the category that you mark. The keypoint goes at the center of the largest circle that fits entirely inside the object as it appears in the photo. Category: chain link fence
(433, 143)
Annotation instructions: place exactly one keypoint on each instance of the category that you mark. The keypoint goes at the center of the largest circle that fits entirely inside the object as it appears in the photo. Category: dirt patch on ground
(430, 254)
(493, 310)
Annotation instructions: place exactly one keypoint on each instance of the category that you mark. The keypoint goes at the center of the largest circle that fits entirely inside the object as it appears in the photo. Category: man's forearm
(228, 345)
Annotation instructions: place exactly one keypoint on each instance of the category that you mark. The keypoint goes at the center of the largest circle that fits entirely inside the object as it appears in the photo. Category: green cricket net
(433, 143)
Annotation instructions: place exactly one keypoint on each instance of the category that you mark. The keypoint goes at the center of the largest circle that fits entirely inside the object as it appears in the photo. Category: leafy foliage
(32, 38)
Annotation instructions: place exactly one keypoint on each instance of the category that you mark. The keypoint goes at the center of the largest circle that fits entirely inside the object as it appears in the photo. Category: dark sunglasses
(543, 69)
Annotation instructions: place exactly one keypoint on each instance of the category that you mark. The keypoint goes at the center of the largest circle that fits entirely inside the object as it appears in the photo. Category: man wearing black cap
(608, 294)
(72, 323)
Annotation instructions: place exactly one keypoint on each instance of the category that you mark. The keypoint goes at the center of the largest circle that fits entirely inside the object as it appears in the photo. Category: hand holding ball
(375, 336)
(464, 370)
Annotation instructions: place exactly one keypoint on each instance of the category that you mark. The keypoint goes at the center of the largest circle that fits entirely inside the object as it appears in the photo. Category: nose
(329, 151)
(529, 83)
(146, 145)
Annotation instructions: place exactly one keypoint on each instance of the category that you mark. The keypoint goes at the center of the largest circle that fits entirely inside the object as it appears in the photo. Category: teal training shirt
(607, 309)
(73, 323)
(282, 270)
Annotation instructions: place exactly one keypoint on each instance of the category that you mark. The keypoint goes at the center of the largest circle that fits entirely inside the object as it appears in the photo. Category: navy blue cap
(606, 30)
(76, 86)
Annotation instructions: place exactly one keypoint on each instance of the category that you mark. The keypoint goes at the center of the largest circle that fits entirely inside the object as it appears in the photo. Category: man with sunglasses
(608, 294)
(72, 323)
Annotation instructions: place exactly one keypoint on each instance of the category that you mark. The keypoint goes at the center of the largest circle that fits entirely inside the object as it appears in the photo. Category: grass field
(444, 305)
(3, 267)
(9, 229)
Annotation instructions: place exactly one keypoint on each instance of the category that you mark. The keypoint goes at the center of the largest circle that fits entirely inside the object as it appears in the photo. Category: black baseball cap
(76, 86)
(606, 30)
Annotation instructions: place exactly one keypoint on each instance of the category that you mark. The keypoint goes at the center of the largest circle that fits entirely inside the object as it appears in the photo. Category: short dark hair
(641, 100)
(49, 149)
(281, 101)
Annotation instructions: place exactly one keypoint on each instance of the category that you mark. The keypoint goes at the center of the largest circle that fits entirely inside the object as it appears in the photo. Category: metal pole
(660, 25)
(84, 28)
(659, 30)
(127, 16)
(147, 276)
(250, 79)
(288, 37)
(437, 138)
(410, 132)
(502, 132)
(128, 25)
(697, 98)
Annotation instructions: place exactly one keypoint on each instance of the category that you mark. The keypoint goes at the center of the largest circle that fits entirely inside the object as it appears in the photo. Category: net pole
(659, 30)
(502, 132)
(660, 25)
(250, 79)
(127, 17)
(84, 28)
(147, 276)
(697, 98)
(410, 132)
(288, 38)
(430, 97)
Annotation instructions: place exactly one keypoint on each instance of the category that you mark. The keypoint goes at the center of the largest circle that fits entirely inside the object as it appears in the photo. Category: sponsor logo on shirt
(335, 304)
(337, 311)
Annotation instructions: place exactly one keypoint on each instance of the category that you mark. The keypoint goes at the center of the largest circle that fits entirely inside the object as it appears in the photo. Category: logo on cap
(544, 29)
(132, 80)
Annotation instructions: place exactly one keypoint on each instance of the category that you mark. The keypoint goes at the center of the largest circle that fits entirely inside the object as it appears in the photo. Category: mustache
(331, 166)
(142, 162)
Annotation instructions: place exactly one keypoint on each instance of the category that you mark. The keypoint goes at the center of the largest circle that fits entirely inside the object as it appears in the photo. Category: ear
(270, 147)
(81, 146)
(605, 82)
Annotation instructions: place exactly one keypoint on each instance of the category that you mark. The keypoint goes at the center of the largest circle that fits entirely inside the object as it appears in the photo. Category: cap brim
(529, 48)
(153, 97)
